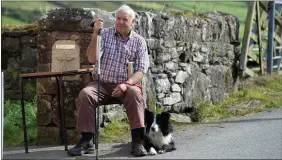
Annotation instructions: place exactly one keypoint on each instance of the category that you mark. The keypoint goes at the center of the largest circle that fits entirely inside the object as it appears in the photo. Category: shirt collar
(130, 34)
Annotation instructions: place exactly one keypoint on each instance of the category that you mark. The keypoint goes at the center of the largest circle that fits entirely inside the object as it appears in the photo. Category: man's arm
(92, 48)
(135, 77)
(141, 63)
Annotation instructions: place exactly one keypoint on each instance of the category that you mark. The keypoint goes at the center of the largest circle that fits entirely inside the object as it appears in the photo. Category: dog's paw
(152, 151)
(161, 151)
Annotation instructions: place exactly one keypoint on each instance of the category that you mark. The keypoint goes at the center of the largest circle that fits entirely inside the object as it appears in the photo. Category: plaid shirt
(116, 52)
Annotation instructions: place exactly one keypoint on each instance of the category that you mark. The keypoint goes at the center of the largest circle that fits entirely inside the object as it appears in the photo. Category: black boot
(137, 144)
(84, 146)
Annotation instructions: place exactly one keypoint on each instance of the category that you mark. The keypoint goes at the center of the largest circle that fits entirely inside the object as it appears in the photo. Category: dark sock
(137, 133)
(85, 138)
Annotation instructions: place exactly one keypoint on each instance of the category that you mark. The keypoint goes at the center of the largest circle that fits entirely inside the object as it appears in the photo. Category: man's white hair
(126, 9)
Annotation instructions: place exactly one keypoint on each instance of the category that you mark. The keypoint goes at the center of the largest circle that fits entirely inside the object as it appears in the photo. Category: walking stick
(129, 68)
(98, 108)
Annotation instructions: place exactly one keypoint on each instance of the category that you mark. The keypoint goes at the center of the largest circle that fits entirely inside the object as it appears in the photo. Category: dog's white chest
(158, 140)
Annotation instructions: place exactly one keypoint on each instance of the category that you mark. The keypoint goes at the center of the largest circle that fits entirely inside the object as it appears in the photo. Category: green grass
(116, 131)
(13, 132)
(25, 12)
(206, 111)
(29, 5)
(266, 89)
(6, 21)
(150, 6)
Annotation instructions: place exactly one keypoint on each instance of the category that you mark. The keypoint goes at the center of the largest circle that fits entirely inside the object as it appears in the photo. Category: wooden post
(270, 37)
(129, 69)
(259, 38)
(246, 38)
(2, 112)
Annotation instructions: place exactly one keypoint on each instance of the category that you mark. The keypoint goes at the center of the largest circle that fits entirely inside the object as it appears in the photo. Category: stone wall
(18, 55)
(192, 58)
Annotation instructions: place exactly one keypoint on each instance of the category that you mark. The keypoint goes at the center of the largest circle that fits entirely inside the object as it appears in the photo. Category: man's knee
(86, 94)
(83, 93)
(134, 91)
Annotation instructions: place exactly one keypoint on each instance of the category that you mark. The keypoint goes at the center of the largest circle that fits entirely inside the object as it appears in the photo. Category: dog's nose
(153, 129)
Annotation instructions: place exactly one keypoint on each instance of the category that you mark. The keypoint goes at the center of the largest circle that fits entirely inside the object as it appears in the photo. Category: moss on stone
(12, 28)
(228, 78)
(214, 49)
(30, 90)
(151, 103)
(8, 94)
(13, 74)
(188, 14)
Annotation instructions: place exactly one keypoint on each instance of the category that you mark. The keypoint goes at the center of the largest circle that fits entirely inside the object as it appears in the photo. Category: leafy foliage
(13, 132)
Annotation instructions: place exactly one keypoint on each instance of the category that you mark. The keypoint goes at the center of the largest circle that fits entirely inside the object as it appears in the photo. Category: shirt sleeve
(142, 58)
(103, 36)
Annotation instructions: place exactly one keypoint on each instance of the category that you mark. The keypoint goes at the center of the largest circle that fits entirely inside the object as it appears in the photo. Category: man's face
(124, 22)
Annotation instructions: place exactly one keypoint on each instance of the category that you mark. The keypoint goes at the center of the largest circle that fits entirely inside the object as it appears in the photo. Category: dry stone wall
(18, 55)
(191, 59)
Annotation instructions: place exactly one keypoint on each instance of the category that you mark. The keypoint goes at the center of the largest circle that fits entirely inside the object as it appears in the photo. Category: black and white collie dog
(158, 136)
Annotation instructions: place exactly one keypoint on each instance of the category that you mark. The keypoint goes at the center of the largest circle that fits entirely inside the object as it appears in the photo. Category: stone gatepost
(63, 38)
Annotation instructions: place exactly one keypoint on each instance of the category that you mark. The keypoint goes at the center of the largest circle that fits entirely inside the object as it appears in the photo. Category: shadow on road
(35, 153)
(251, 120)
(122, 150)
(240, 121)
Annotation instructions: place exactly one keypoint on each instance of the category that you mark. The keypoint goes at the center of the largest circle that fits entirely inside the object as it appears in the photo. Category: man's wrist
(129, 81)
(95, 34)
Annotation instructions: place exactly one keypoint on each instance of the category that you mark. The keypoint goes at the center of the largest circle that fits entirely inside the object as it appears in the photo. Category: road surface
(256, 136)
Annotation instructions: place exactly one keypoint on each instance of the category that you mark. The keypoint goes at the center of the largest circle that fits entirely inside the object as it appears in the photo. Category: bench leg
(23, 116)
(61, 111)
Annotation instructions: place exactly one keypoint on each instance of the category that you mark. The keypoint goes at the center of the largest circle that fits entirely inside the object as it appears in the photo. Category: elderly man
(120, 45)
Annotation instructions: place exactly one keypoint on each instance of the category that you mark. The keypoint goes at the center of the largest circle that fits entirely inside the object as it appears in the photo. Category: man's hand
(92, 48)
(98, 25)
(119, 90)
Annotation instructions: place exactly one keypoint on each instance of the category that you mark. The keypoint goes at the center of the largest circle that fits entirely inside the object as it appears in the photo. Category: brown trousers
(87, 103)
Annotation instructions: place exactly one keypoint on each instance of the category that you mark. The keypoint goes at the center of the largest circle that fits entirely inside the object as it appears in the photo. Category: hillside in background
(18, 13)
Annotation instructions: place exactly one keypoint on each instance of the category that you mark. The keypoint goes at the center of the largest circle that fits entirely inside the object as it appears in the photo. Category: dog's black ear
(147, 111)
(147, 114)
(165, 115)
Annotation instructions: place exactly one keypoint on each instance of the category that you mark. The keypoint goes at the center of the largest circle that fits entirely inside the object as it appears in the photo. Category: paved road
(257, 136)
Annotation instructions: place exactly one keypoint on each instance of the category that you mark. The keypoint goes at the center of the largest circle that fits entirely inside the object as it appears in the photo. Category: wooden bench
(59, 76)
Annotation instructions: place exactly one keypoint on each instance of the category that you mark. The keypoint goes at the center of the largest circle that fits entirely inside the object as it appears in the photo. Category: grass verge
(115, 132)
(254, 95)
(13, 132)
